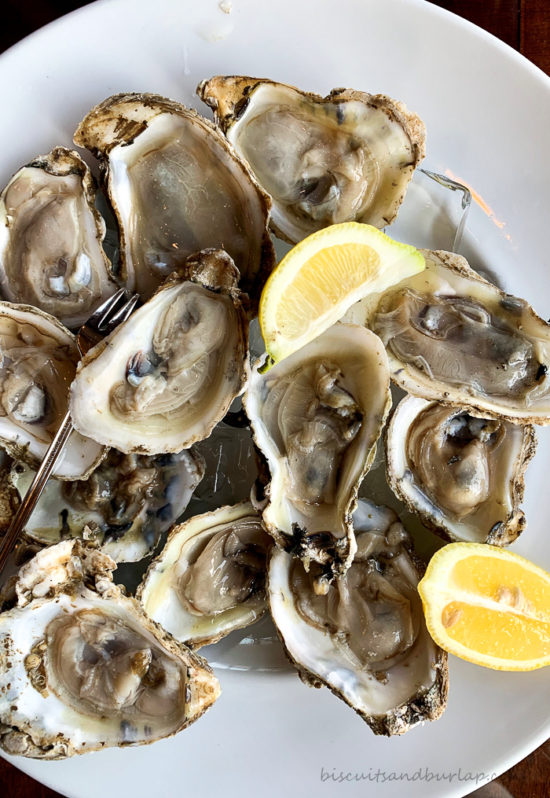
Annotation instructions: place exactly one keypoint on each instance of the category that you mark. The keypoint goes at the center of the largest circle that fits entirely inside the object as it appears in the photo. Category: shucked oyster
(463, 475)
(210, 577)
(345, 157)
(316, 416)
(38, 360)
(366, 638)
(176, 187)
(9, 498)
(50, 239)
(83, 668)
(165, 377)
(454, 337)
(128, 501)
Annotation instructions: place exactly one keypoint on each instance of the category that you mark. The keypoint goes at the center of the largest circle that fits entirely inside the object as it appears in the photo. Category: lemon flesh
(317, 281)
(488, 606)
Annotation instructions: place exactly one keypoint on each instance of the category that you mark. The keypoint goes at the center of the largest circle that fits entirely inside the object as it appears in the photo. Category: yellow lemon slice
(488, 606)
(322, 276)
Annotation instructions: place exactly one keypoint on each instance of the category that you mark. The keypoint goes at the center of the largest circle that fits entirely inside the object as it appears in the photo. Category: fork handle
(36, 487)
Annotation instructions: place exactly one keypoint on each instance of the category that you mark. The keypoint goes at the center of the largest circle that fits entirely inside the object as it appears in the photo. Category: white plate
(487, 112)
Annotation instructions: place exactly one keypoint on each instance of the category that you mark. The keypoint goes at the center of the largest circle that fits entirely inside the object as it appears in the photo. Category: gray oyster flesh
(363, 635)
(228, 571)
(372, 610)
(452, 456)
(495, 358)
(317, 420)
(51, 235)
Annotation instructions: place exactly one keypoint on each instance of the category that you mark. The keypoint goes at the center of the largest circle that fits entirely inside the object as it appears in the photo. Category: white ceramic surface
(487, 112)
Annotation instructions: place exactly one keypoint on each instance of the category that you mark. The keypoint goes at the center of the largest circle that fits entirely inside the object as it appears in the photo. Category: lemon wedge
(322, 276)
(488, 606)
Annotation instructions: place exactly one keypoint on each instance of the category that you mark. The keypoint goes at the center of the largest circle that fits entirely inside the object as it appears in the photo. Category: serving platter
(487, 112)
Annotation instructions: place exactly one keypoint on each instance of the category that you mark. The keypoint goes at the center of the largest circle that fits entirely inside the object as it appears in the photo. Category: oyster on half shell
(83, 668)
(451, 336)
(176, 186)
(316, 417)
(9, 497)
(345, 157)
(463, 475)
(50, 239)
(38, 361)
(165, 377)
(210, 577)
(126, 504)
(366, 638)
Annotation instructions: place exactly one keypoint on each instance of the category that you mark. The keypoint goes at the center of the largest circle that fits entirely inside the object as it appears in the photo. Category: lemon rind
(434, 599)
(403, 260)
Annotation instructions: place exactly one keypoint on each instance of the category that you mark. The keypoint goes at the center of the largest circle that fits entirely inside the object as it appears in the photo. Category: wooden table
(524, 25)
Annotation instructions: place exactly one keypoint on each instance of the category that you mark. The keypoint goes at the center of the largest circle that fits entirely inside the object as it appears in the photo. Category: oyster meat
(50, 239)
(210, 577)
(9, 497)
(165, 377)
(365, 638)
(463, 475)
(128, 501)
(38, 360)
(316, 416)
(345, 157)
(452, 336)
(83, 668)
(176, 186)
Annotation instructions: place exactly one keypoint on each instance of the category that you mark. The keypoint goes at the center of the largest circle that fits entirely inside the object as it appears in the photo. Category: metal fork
(103, 321)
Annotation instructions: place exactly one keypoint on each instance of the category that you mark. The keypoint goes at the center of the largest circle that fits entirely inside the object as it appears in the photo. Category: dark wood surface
(524, 25)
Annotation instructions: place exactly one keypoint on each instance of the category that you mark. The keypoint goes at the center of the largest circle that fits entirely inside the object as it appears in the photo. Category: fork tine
(107, 307)
(108, 323)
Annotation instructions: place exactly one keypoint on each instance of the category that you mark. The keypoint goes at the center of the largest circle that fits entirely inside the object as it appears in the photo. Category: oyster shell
(38, 362)
(9, 497)
(165, 377)
(452, 336)
(50, 239)
(366, 638)
(463, 475)
(176, 186)
(316, 416)
(210, 577)
(83, 668)
(345, 157)
(127, 502)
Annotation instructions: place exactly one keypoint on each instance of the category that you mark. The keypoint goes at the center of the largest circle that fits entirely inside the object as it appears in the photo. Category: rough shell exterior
(120, 119)
(230, 96)
(73, 570)
(424, 705)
